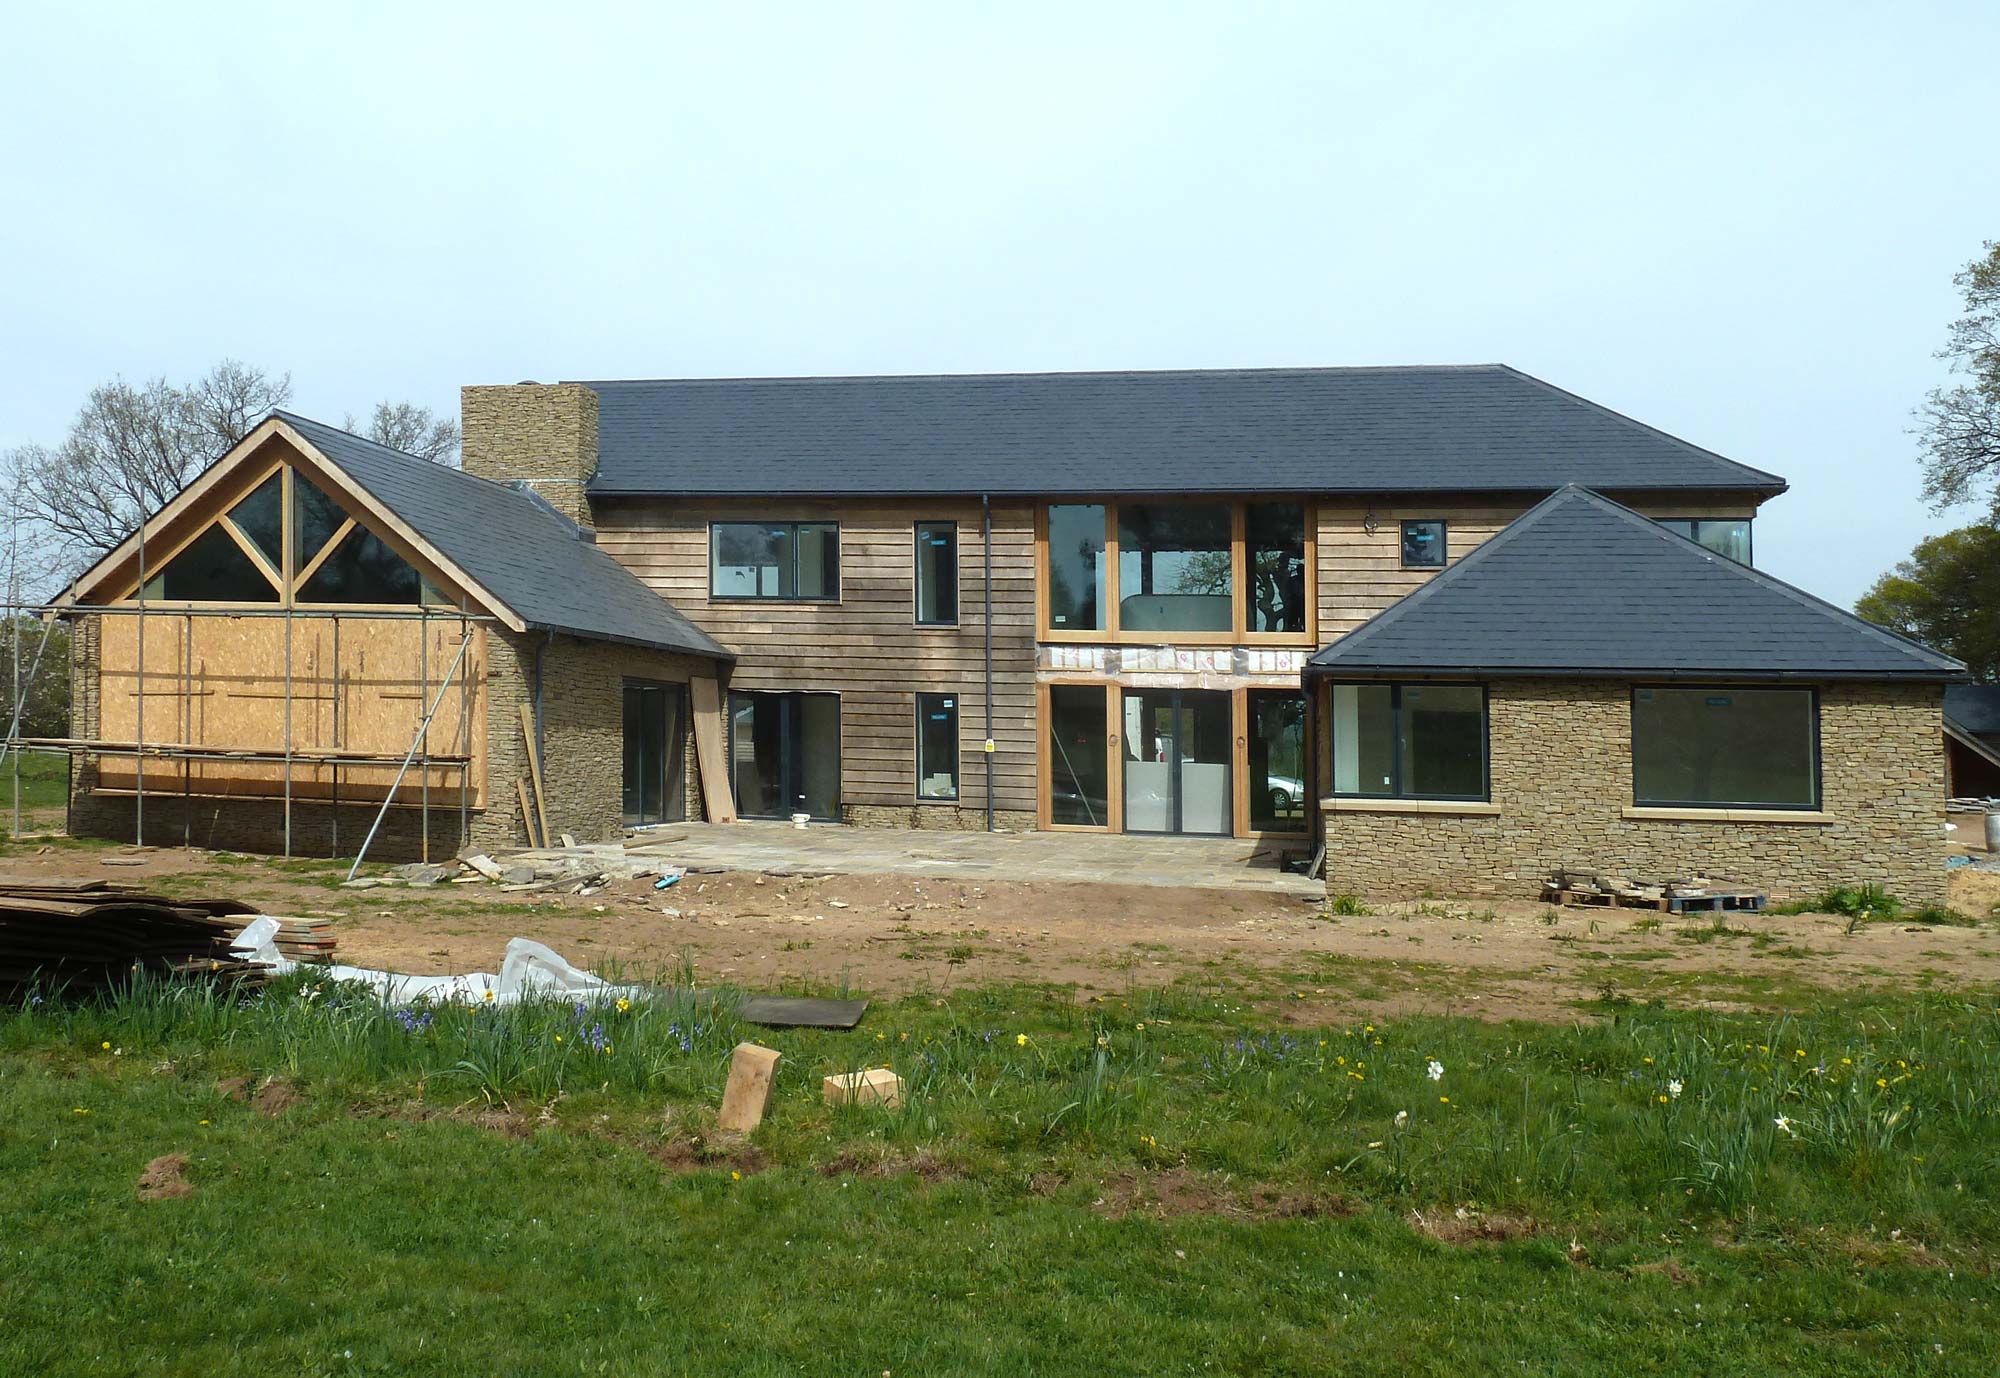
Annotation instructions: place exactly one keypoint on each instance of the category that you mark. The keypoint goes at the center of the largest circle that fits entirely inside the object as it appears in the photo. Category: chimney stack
(543, 436)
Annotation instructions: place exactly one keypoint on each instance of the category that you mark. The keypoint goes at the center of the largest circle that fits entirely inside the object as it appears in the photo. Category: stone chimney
(543, 436)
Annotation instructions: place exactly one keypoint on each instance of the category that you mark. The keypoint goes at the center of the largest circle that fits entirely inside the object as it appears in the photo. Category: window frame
(917, 573)
(764, 598)
(1818, 764)
(1444, 542)
(1112, 633)
(1396, 687)
(1693, 533)
(957, 747)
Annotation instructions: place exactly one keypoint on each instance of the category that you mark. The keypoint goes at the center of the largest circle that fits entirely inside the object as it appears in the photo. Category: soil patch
(233, 1088)
(924, 1165)
(681, 1155)
(1465, 1226)
(165, 1179)
(1670, 1268)
(275, 1097)
(1179, 1191)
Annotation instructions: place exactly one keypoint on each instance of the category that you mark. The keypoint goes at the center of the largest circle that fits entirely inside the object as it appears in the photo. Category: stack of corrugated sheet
(81, 936)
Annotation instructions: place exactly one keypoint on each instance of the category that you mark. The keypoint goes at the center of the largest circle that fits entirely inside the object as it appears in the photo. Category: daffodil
(1402, 1118)
(1434, 1070)
(623, 1004)
(1020, 1040)
(1674, 1089)
(1784, 1123)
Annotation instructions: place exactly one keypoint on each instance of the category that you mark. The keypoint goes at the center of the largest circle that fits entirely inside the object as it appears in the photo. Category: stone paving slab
(1217, 863)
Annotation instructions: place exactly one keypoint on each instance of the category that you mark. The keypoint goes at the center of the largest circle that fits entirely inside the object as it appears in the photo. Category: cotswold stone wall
(966, 815)
(1561, 759)
(542, 434)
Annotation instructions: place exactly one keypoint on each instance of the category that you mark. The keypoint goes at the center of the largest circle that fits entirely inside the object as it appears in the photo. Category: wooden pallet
(1712, 902)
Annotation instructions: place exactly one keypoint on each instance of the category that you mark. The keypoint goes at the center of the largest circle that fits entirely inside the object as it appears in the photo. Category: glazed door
(1177, 761)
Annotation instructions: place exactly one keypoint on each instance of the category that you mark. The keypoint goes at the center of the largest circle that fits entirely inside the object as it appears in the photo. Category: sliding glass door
(1177, 761)
(784, 754)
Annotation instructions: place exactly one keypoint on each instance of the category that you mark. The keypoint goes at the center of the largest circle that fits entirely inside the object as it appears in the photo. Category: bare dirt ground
(894, 935)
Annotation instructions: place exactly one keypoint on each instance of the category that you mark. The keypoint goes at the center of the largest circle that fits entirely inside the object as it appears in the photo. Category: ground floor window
(1277, 760)
(784, 754)
(1409, 741)
(1176, 775)
(655, 754)
(937, 746)
(1725, 748)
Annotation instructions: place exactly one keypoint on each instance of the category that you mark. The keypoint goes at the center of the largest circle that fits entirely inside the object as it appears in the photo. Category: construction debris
(90, 935)
(305, 940)
(1700, 894)
(752, 1070)
(876, 1086)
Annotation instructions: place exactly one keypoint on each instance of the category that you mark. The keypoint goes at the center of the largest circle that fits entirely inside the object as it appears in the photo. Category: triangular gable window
(261, 518)
(316, 519)
(212, 569)
(363, 570)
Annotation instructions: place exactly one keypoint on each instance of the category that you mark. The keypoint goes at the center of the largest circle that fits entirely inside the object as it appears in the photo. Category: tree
(412, 429)
(131, 449)
(1944, 595)
(1961, 423)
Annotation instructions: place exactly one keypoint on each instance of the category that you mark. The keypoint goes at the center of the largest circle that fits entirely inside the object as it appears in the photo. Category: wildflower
(623, 1004)
(1847, 1062)
(1882, 1083)
(79, 1111)
(1647, 1060)
(735, 1176)
(1140, 1027)
(558, 1038)
(1435, 1070)
(903, 1037)
(1020, 1040)
(1444, 1100)
(1402, 1118)
(1103, 1042)
(1674, 1089)
(204, 1121)
(105, 1046)
(1784, 1123)
(1663, 1099)
(488, 995)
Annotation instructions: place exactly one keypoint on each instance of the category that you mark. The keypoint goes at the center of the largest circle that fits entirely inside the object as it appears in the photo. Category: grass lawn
(1159, 1182)
(44, 790)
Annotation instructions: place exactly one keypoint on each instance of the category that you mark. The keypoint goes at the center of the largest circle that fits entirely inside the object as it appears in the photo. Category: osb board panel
(218, 683)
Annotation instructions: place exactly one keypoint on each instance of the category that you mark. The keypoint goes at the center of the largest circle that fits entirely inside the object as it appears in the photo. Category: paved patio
(829, 849)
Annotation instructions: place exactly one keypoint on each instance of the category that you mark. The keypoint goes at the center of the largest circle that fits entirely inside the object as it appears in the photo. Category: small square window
(1423, 544)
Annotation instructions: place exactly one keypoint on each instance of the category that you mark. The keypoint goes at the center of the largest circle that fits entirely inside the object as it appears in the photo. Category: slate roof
(1479, 428)
(528, 555)
(1974, 709)
(1580, 586)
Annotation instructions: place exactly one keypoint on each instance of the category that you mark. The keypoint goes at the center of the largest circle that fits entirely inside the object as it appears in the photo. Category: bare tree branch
(412, 429)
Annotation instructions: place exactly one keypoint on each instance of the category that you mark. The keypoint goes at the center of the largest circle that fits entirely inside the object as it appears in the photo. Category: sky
(1738, 223)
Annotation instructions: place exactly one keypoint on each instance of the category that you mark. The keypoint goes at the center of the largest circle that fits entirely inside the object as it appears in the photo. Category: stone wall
(1561, 761)
(542, 435)
(966, 815)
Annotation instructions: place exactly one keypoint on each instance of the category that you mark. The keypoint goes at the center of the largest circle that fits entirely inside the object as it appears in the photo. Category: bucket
(799, 821)
(1993, 832)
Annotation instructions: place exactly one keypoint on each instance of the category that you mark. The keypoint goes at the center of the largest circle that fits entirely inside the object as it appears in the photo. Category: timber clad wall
(867, 646)
(1561, 760)
(1361, 575)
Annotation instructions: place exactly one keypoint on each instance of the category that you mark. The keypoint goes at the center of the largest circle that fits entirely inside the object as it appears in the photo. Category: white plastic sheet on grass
(530, 972)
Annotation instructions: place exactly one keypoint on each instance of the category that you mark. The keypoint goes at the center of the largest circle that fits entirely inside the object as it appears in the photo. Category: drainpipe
(986, 548)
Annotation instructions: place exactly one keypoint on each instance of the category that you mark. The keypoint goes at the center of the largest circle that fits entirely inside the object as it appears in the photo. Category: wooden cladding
(868, 646)
(358, 688)
(1234, 569)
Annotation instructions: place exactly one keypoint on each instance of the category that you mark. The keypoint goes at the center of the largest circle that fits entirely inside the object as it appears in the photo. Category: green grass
(1161, 1181)
(44, 788)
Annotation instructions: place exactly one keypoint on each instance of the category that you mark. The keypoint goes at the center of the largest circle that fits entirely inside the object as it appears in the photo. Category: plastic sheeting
(530, 971)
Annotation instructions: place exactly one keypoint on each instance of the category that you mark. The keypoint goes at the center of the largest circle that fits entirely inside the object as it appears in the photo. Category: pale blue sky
(1735, 222)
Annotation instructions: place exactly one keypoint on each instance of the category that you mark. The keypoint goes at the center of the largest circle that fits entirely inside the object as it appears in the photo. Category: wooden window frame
(1114, 727)
(214, 512)
(761, 600)
(1112, 634)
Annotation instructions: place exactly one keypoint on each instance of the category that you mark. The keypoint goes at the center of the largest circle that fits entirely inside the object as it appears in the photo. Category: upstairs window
(1274, 545)
(1173, 567)
(1423, 544)
(1728, 537)
(786, 561)
(212, 568)
(1725, 748)
(937, 574)
(1076, 567)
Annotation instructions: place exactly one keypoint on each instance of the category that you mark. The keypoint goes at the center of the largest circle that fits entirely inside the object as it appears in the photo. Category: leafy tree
(1945, 595)
(412, 429)
(1961, 423)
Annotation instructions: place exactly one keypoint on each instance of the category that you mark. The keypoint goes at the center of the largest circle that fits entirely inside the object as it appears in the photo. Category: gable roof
(1478, 428)
(517, 547)
(1974, 711)
(1580, 586)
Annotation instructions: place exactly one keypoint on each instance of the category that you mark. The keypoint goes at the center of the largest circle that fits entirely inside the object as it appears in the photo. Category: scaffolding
(287, 754)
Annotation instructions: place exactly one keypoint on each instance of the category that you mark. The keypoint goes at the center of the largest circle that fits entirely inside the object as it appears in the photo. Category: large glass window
(795, 561)
(1725, 748)
(1729, 537)
(937, 574)
(1076, 567)
(261, 518)
(655, 754)
(1409, 741)
(1277, 760)
(1079, 761)
(212, 568)
(784, 754)
(937, 746)
(1173, 567)
(1274, 538)
(362, 569)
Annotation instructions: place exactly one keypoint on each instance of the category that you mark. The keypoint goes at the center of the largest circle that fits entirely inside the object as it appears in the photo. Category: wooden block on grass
(876, 1086)
(751, 1071)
